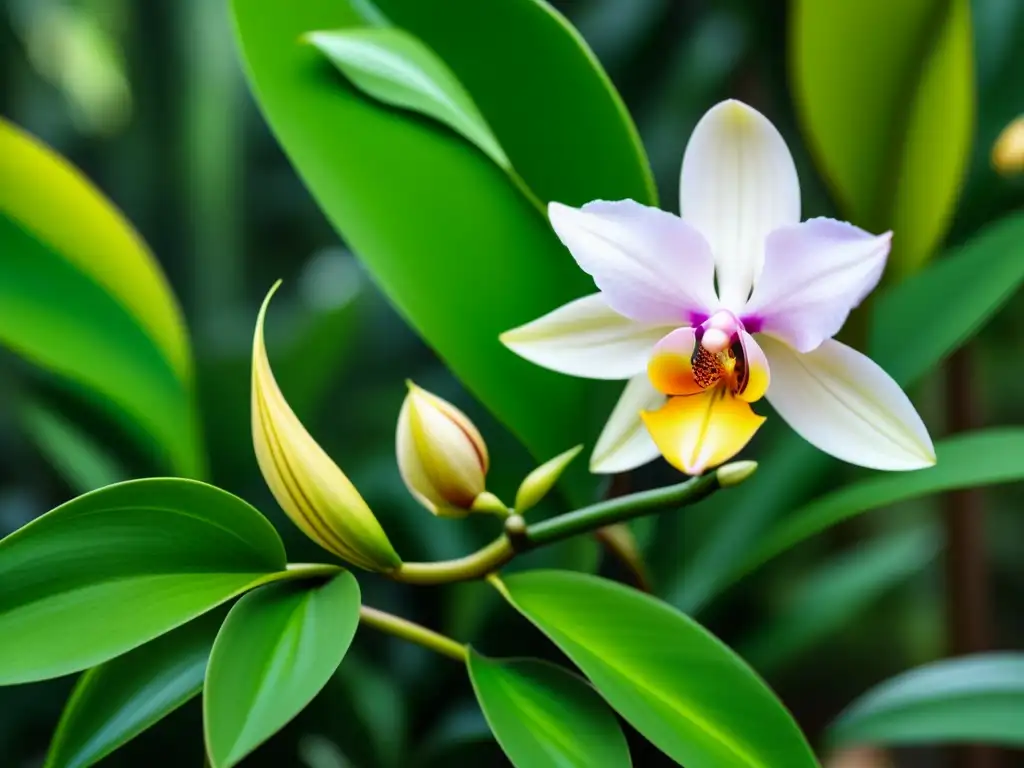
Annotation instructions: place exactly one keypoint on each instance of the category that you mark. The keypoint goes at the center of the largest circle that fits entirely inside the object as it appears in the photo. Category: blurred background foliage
(148, 99)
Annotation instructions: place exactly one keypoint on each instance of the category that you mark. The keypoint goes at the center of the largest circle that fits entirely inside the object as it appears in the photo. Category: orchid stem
(520, 537)
(414, 633)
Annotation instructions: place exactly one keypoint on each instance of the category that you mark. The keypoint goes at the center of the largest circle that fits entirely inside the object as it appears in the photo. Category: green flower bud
(539, 482)
(310, 487)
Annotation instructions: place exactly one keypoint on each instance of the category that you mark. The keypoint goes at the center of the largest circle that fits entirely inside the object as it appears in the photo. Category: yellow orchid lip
(697, 432)
(310, 488)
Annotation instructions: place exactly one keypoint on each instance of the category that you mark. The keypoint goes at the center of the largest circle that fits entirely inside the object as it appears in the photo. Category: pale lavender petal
(843, 403)
(649, 265)
(738, 183)
(814, 274)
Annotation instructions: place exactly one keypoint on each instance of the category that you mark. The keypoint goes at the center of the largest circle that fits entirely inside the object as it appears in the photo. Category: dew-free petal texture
(670, 368)
(625, 444)
(650, 265)
(738, 184)
(814, 274)
(843, 403)
(697, 432)
(586, 338)
(758, 373)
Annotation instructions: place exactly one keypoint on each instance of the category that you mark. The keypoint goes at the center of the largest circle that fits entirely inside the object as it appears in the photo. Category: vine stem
(413, 632)
(520, 537)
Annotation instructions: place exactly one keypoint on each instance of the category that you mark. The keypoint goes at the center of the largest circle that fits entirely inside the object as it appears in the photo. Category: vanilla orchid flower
(705, 313)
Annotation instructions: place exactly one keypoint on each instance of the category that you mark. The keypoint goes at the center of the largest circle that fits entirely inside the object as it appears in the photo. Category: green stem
(311, 570)
(520, 537)
(414, 633)
(620, 509)
(474, 566)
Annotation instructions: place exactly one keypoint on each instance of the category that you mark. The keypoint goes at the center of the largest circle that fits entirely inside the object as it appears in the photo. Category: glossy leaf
(365, 163)
(832, 596)
(946, 304)
(969, 460)
(118, 700)
(544, 716)
(119, 566)
(686, 691)
(973, 699)
(885, 92)
(278, 647)
(81, 295)
(393, 66)
(550, 103)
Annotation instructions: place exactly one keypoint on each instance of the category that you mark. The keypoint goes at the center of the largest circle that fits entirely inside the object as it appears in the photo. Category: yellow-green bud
(441, 455)
(735, 473)
(1008, 150)
(539, 482)
(310, 487)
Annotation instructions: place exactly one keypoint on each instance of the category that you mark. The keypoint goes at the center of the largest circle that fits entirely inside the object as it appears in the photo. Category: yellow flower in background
(1008, 150)
(310, 487)
(441, 455)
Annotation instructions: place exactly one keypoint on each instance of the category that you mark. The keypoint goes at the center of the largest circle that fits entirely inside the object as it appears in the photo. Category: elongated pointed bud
(441, 455)
(538, 483)
(1008, 150)
(310, 487)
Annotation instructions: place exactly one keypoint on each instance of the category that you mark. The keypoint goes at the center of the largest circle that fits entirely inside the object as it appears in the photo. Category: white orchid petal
(843, 403)
(814, 274)
(625, 443)
(649, 265)
(586, 338)
(738, 184)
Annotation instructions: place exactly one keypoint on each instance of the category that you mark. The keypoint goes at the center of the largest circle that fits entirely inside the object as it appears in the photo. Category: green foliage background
(153, 107)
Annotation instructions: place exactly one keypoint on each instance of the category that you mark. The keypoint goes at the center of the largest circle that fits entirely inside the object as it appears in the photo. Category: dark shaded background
(148, 99)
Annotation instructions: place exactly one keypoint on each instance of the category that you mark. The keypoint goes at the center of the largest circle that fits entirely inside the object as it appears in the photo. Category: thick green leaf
(549, 102)
(946, 304)
(969, 460)
(974, 699)
(116, 701)
(393, 66)
(669, 677)
(885, 92)
(120, 566)
(461, 222)
(544, 716)
(278, 647)
(833, 595)
(81, 461)
(81, 295)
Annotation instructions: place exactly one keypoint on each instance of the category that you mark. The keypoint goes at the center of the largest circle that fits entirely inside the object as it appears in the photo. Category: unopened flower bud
(538, 483)
(1008, 150)
(441, 455)
(310, 487)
